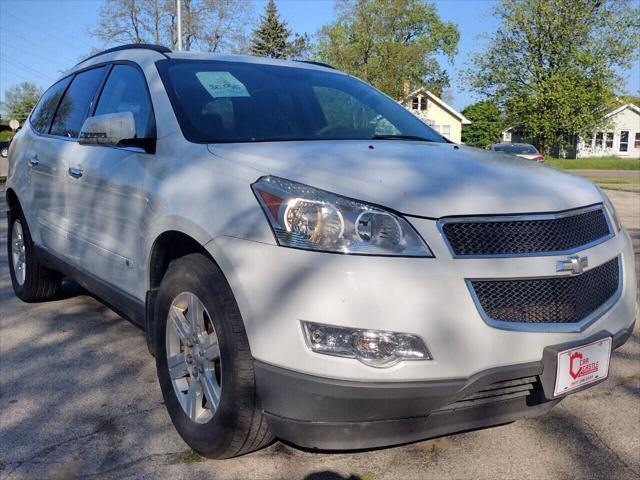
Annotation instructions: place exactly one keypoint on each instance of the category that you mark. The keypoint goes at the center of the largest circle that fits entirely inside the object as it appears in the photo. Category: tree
(20, 99)
(486, 124)
(273, 39)
(385, 42)
(552, 64)
(213, 25)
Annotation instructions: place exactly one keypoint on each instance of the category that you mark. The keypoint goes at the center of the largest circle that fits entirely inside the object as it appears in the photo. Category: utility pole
(179, 12)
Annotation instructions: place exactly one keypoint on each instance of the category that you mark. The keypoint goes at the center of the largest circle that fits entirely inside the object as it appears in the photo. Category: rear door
(43, 202)
(108, 205)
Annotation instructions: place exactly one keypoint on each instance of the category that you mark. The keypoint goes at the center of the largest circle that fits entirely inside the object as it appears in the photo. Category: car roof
(149, 52)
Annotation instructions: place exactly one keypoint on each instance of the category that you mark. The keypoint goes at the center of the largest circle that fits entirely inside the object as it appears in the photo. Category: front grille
(521, 387)
(548, 300)
(530, 235)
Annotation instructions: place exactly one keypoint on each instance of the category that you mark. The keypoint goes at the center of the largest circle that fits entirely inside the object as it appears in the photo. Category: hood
(417, 178)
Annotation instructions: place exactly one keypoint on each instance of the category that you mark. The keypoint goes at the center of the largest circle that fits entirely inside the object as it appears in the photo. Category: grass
(616, 180)
(3, 179)
(6, 135)
(622, 184)
(595, 163)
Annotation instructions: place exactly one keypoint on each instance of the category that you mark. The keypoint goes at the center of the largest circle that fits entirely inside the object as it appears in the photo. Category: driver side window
(343, 110)
(126, 91)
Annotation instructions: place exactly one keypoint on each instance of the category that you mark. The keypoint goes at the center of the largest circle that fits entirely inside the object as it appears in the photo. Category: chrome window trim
(524, 217)
(576, 327)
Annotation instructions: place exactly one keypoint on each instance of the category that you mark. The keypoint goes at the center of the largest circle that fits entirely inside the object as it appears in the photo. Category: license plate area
(582, 365)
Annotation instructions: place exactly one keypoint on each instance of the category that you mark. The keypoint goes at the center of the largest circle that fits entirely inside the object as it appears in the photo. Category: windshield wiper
(401, 137)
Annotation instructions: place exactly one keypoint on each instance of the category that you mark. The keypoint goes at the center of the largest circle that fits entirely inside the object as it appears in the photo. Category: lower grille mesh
(521, 387)
(548, 300)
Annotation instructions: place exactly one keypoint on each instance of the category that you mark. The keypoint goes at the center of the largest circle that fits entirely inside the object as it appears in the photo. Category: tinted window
(515, 149)
(46, 107)
(126, 91)
(75, 104)
(241, 102)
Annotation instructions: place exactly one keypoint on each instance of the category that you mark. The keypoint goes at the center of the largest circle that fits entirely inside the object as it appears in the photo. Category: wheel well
(12, 199)
(168, 247)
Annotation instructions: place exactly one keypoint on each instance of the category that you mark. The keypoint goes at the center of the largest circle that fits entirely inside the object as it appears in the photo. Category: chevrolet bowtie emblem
(574, 264)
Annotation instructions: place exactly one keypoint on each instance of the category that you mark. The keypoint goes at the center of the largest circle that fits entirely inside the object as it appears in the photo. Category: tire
(237, 425)
(4, 152)
(32, 281)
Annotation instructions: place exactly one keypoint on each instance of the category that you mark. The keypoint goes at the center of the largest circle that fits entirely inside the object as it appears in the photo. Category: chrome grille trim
(548, 327)
(443, 222)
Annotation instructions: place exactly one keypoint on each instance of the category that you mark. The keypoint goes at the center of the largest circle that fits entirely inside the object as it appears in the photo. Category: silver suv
(308, 259)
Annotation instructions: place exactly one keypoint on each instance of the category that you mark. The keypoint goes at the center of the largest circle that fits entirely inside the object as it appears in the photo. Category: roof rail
(320, 64)
(143, 46)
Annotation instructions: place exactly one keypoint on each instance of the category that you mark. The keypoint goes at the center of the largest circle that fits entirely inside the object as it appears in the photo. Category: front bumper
(328, 414)
(277, 287)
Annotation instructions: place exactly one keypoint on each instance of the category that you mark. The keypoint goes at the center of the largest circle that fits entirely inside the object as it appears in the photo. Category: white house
(621, 136)
(432, 110)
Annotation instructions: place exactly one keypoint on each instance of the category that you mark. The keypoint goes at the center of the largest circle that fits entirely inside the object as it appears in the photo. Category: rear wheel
(32, 282)
(204, 362)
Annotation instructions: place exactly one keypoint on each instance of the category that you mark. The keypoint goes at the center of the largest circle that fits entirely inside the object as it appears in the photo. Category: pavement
(79, 399)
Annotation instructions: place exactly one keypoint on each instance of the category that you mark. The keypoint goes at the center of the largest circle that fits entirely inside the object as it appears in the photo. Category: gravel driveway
(79, 398)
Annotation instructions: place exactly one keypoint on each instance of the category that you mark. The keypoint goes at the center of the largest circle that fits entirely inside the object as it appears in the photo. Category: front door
(72, 110)
(108, 206)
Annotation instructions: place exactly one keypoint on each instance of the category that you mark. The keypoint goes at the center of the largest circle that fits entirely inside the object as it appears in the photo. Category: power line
(45, 48)
(37, 55)
(40, 29)
(26, 68)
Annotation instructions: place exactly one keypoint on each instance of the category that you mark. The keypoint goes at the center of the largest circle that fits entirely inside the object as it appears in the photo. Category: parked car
(522, 150)
(301, 275)
(4, 148)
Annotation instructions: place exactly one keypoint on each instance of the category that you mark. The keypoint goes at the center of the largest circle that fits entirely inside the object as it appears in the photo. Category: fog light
(372, 347)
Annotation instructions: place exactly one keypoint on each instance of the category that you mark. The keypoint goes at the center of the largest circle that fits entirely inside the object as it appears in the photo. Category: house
(620, 137)
(514, 135)
(433, 111)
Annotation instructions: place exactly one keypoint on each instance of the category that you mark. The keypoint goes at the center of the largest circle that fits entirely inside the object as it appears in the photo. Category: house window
(599, 137)
(624, 140)
(431, 123)
(588, 141)
(423, 103)
(445, 130)
(415, 103)
(636, 142)
(609, 143)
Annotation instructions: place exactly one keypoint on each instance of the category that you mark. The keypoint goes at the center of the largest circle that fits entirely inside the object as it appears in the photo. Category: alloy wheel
(18, 252)
(193, 357)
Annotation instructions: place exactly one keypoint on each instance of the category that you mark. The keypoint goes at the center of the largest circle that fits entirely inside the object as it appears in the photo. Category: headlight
(308, 218)
(375, 348)
(613, 215)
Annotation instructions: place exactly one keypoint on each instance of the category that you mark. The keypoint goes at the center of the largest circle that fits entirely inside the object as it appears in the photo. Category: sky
(39, 39)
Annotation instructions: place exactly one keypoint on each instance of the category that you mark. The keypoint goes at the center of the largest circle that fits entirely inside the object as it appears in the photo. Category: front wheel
(204, 363)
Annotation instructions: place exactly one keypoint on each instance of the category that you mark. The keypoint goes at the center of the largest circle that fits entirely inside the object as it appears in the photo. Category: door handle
(75, 172)
(34, 161)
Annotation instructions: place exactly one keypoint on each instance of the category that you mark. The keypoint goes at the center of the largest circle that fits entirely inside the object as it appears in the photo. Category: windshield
(506, 148)
(219, 101)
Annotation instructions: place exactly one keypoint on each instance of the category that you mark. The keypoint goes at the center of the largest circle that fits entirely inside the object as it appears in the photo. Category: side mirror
(111, 129)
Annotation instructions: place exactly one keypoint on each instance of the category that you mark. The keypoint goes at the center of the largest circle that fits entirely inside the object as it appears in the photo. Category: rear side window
(76, 103)
(126, 91)
(43, 113)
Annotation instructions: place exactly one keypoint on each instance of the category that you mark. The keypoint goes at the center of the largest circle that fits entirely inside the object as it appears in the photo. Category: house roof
(434, 98)
(621, 108)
